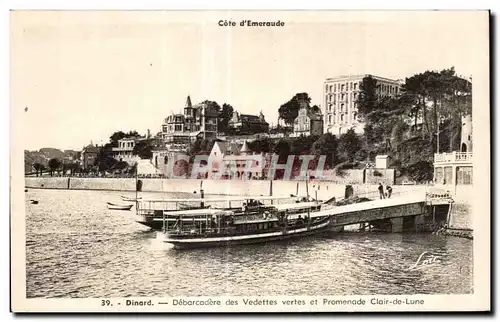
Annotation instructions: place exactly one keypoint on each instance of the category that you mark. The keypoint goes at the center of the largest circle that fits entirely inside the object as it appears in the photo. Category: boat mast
(202, 194)
(136, 201)
(307, 186)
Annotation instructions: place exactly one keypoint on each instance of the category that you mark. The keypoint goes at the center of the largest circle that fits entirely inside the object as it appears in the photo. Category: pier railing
(376, 194)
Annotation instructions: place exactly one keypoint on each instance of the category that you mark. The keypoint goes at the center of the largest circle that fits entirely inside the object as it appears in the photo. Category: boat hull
(119, 207)
(247, 239)
(153, 224)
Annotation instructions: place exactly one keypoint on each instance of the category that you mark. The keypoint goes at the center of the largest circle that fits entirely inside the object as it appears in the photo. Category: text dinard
(250, 23)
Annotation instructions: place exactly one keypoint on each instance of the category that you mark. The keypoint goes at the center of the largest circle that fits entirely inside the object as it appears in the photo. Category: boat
(221, 228)
(34, 202)
(151, 212)
(124, 198)
(119, 207)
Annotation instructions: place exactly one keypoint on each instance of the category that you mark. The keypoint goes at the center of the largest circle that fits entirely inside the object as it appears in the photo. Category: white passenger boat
(216, 228)
(151, 212)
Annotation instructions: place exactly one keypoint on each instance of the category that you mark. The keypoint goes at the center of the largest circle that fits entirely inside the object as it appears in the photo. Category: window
(351, 86)
(329, 119)
(334, 87)
(341, 117)
(341, 107)
(343, 96)
(331, 88)
(343, 87)
(355, 86)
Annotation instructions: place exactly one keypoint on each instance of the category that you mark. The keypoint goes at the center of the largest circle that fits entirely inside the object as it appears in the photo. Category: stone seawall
(323, 190)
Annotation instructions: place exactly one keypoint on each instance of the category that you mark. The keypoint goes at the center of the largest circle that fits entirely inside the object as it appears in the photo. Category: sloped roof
(188, 102)
(251, 118)
(90, 149)
(228, 148)
(245, 148)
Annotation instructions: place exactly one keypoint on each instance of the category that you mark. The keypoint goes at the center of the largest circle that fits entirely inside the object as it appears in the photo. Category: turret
(466, 142)
(188, 108)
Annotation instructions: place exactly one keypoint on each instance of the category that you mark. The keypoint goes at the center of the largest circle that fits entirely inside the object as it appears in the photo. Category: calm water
(76, 247)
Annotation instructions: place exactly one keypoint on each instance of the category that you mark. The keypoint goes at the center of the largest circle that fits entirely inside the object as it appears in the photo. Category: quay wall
(322, 189)
(461, 216)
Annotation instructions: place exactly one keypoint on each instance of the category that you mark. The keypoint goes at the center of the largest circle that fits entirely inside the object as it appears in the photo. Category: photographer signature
(425, 260)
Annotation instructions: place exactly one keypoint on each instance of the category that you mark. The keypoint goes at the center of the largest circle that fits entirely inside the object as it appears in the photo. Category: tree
(367, 100)
(349, 144)
(105, 159)
(264, 145)
(302, 144)
(414, 96)
(143, 149)
(315, 109)
(115, 137)
(54, 164)
(282, 149)
(225, 116)
(326, 145)
(289, 111)
(420, 171)
(132, 134)
(212, 105)
(120, 165)
(38, 167)
(75, 167)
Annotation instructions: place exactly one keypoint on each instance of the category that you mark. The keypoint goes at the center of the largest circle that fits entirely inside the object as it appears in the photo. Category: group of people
(381, 191)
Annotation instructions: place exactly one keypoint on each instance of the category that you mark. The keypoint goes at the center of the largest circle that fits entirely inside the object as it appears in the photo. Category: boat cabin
(216, 222)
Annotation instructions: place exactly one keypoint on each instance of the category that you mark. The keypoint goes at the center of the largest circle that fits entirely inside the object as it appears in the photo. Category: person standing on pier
(381, 191)
(389, 191)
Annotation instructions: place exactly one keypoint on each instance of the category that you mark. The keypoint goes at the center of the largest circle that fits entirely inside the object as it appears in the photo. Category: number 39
(105, 303)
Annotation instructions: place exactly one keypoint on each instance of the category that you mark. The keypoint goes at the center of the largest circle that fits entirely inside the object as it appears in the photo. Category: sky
(77, 77)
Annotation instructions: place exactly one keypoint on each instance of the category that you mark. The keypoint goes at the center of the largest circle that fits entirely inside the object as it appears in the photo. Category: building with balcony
(456, 168)
(246, 124)
(125, 149)
(198, 121)
(339, 101)
(308, 122)
(453, 168)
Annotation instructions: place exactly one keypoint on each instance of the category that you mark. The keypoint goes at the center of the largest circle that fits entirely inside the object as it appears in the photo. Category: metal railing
(376, 194)
(453, 157)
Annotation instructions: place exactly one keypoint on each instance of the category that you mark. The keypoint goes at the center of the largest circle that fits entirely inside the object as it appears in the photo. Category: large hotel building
(340, 96)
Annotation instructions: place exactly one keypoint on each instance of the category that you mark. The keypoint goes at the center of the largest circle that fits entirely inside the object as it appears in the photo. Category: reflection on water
(76, 247)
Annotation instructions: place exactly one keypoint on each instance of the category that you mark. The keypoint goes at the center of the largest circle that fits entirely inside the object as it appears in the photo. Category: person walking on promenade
(381, 191)
(389, 191)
